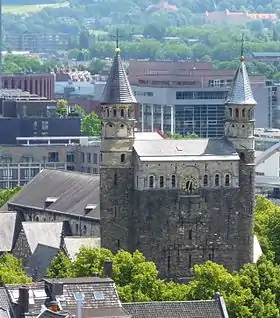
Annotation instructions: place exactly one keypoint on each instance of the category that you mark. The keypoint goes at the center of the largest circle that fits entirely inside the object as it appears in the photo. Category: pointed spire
(241, 92)
(117, 89)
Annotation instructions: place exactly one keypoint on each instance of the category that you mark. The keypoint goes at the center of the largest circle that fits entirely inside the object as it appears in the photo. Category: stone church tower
(239, 129)
(180, 202)
(116, 172)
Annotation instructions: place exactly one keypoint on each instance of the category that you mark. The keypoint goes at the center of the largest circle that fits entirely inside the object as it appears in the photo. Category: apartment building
(20, 163)
(188, 97)
(37, 42)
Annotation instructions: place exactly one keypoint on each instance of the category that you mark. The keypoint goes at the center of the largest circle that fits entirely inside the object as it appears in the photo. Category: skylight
(98, 295)
(179, 148)
(39, 293)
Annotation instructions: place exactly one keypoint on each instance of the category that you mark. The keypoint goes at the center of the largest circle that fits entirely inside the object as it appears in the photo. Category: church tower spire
(239, 125)
(116, 164)
(239, 129)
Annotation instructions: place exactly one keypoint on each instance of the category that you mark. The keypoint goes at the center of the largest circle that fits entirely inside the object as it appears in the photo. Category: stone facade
(77, 225)
(179, 213)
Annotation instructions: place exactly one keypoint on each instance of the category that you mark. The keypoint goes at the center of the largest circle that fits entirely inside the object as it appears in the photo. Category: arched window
(114, 112)
(173, 181)
(161, 181)
(84, 229)
(108, 112)
(217, 180)
(37, 218)
(189, 186)
(205, 180)
(243, 112)
(122, 158)
(236, 112)
(227, 180)
(151, 182)
(122, 112)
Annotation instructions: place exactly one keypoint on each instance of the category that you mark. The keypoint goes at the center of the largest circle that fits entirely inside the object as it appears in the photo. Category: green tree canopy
(11, 270)
(91, 125)
(7, 194)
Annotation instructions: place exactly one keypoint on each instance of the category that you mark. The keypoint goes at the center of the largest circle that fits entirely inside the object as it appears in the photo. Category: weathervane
(117, 36)
(242, 48)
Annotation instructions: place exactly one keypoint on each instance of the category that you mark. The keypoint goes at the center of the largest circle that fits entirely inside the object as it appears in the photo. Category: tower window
(173, 181)
(118, 244)
(189, 186)
(108, 112)
(161, 182)
(114, 112)
(205, 180)
(122, 158)
(190, 234)
(151, 182)
(217, 180)
(242, 156)
(190, 261)
(227, 180)
(230, 112)
(122, 112)
(115, 179)
(77, 228)
(122, 125)
(236, 112)
(243, 112)
(129, 113)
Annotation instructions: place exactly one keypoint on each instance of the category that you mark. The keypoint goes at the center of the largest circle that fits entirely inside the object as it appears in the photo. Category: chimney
(23, 301)
(108, 268)
(54, 306)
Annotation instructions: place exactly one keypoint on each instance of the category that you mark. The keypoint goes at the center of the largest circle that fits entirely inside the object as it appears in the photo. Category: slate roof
(7, 230)
(5, 308)
(50, 314)
(44, 240)
(185, 149)
(117, 89)
(241, 92)
(100, 297)
(37, 296)
(176, 309)
(73, 244)
(72, 190)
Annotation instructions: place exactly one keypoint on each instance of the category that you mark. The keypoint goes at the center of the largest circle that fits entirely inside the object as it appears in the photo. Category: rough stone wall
(116, 194)
(177, 231)
(21, 248)
(77, 225)
(247, 175)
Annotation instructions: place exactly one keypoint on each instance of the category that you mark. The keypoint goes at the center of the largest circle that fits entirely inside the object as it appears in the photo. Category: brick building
(38, 84)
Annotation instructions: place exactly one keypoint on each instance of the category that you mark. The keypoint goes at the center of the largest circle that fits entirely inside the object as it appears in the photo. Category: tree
(77, 110)
(96, 66)
(7, 194)
(11, 270)
(91, 125)
(60, 266)
(62, 107)
(179, 136)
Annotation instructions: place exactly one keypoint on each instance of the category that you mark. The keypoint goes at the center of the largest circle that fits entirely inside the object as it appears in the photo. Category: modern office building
(188, 97)
(20, 163)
